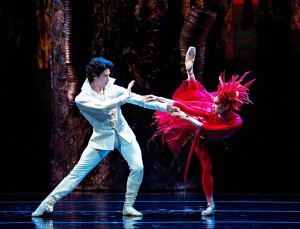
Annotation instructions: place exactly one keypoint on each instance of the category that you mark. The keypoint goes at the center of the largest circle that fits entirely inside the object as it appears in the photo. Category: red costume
(193, 99)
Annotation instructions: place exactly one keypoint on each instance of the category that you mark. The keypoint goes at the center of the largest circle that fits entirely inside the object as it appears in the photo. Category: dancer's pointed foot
(190, 58)
(210, 210)
(130, 211)
(45, 206)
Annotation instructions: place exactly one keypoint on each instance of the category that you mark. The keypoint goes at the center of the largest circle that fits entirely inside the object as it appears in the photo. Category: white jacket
(104, 113)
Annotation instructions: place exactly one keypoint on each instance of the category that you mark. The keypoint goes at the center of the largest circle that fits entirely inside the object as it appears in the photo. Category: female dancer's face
(218, 107)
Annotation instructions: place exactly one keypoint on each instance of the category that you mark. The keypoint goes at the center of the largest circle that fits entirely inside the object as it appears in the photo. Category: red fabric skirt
(176, 131)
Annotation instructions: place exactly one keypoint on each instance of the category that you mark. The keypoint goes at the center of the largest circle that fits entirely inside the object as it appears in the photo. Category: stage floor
(161, 210)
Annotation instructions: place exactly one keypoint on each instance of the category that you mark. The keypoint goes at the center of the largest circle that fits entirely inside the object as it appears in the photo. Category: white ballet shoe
(130, 211)
(210, 210)
(45, 206)
(190, 58)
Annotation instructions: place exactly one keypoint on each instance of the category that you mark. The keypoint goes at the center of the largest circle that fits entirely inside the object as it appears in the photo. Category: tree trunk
(68, 126)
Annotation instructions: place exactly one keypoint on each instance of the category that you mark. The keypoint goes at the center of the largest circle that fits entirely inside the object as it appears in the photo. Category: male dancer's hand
(130, 85)
(123, 98)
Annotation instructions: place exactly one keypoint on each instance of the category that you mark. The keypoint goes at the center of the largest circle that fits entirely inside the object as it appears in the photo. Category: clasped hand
(150, 98)
(180, 114)
(171, 109)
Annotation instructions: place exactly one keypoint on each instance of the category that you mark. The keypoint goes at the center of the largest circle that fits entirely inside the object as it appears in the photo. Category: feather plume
(233, 93)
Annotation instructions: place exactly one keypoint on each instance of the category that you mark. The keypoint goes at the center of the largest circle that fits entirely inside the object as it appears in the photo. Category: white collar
(87, 86)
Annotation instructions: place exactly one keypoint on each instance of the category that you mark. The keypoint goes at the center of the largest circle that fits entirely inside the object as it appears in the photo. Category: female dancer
(203, 117)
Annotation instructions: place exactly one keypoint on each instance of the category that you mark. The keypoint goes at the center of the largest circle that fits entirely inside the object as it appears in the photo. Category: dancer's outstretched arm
(184, 116)
(149, 98)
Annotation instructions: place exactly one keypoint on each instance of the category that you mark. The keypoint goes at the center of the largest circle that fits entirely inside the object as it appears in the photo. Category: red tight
(199, 147)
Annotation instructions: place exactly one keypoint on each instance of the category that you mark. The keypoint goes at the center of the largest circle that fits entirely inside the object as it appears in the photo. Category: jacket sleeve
(139, 100)
(86, 102)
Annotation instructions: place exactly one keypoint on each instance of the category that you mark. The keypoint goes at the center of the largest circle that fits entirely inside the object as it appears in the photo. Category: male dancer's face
(103, 78)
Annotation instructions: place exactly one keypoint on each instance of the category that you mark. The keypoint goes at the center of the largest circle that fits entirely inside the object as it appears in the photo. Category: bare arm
(190, 119)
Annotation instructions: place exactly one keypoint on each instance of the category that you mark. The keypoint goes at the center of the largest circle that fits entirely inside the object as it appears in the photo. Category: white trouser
(90, 157)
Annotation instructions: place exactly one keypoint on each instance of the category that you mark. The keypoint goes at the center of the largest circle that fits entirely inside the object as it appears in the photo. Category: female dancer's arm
(190, 119)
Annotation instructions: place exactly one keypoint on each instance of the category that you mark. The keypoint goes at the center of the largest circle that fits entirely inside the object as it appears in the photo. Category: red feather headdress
(233, 93)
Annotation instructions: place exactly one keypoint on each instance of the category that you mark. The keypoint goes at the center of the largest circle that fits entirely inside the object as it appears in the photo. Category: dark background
(262, 157)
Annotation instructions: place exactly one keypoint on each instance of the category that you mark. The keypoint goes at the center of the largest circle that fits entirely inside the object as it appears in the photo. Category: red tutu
(192, 98)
